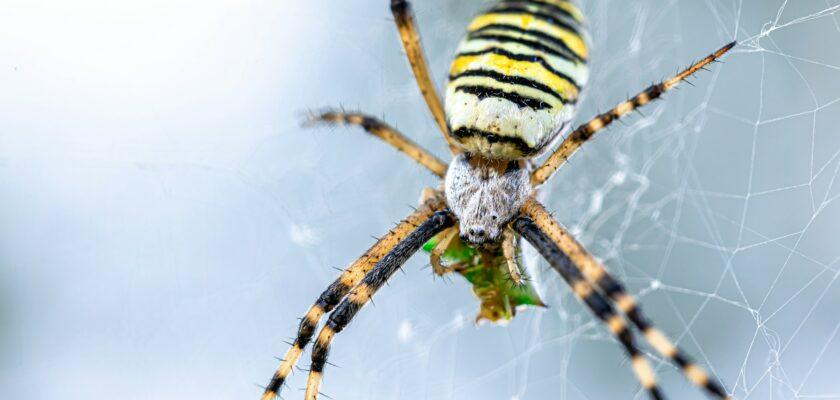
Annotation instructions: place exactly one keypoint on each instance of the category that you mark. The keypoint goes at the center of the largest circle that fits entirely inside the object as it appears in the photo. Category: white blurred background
(164, 220)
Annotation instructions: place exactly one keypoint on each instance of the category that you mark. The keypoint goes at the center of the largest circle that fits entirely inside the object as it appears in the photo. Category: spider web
(166, 222)
(718, 204)
(717, 207)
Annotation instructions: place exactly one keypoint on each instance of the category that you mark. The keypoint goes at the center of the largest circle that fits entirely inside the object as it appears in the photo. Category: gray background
(164, 219)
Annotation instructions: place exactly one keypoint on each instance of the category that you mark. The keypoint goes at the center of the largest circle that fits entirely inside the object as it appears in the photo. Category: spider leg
(407, 27)
(579, 136)
(341, 286)
(596, 302)
(362, 293)
(385, 132)
(509, 251)
(440, 248)
(597, 275)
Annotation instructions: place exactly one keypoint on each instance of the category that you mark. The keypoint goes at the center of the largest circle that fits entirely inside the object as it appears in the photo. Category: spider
(512, 92)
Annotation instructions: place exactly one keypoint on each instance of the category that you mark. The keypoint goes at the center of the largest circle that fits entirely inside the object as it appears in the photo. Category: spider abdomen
(516, 78)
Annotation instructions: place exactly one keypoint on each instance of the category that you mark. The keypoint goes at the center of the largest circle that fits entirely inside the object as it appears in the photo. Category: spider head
(481, 230)
(485, 195)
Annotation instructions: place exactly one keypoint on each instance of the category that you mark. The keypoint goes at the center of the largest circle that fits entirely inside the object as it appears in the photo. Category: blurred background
(164, 219)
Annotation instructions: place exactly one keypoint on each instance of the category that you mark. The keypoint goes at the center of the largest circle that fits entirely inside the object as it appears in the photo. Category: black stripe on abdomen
(565, 52)
(483, 92)
(542, 36)
(546, 14)
(466, 133)
(546, 6)
(511, 79)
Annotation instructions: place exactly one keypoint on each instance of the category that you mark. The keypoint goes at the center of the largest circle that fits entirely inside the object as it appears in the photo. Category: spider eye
(494, 217)
(477, 232)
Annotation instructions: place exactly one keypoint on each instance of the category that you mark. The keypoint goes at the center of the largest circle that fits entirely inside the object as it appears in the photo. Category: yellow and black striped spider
(512, 91)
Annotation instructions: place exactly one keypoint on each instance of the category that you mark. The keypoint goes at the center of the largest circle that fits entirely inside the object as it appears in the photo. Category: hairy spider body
(485, 195)
(516, 78)
(513, 86)
(512, 90)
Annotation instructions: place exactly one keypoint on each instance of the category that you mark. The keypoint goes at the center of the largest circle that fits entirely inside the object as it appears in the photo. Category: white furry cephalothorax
(485, 196)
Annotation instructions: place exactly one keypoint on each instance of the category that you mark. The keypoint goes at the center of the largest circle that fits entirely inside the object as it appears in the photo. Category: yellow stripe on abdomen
(510, 67)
